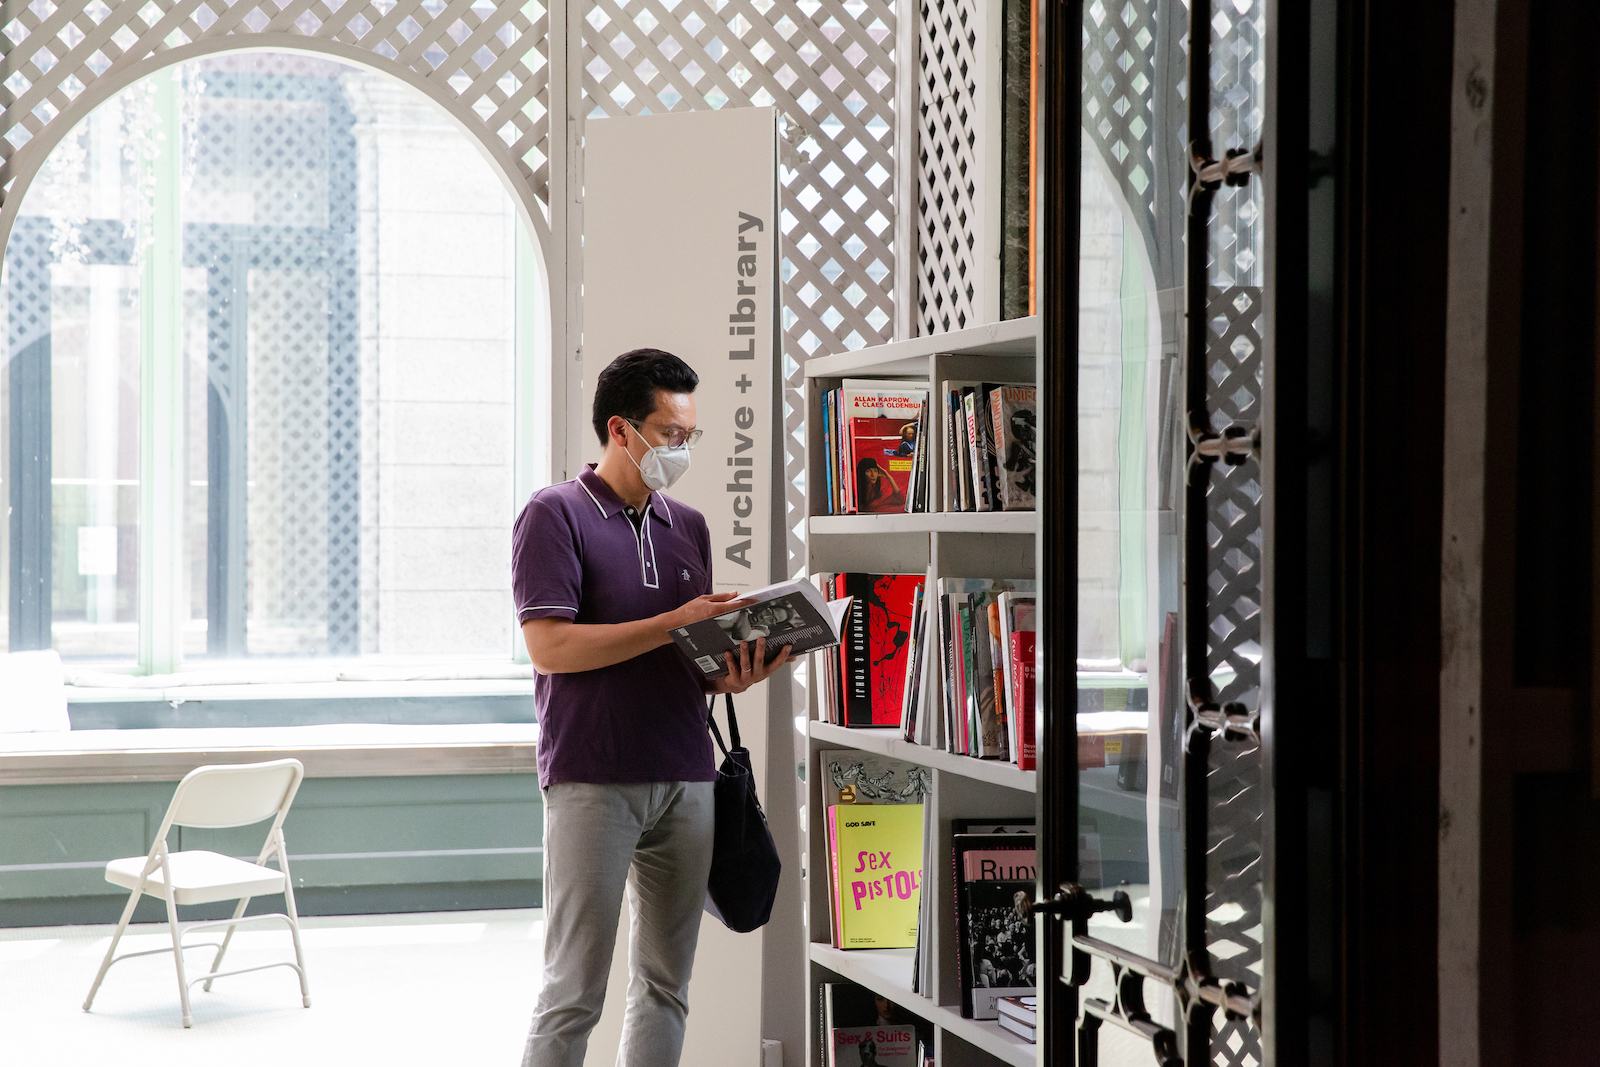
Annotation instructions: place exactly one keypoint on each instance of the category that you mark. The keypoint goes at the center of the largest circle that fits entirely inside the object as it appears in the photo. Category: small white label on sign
(97, 550)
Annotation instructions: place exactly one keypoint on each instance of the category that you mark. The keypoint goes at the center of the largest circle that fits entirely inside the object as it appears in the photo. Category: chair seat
(199, 877)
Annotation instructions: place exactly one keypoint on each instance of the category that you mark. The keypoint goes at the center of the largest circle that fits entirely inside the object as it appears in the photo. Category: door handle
(1072, 903)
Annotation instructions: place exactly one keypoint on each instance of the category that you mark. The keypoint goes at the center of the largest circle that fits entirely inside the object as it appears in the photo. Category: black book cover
(855, 651)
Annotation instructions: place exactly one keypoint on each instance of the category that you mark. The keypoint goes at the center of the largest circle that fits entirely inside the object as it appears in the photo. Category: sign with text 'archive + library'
(680, 252)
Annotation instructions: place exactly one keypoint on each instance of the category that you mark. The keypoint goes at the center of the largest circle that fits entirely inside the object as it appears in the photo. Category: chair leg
(111, 952)
(294, 918)
(216, 962)
(177, 952)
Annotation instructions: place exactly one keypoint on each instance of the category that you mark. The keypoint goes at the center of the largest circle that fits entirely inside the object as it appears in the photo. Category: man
(603, 567)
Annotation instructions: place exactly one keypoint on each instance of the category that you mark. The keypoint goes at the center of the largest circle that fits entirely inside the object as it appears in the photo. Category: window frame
(162, 604)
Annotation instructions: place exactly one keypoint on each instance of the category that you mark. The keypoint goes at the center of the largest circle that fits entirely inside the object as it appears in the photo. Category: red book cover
(1022, 673)
(890, 600)
(881, 431)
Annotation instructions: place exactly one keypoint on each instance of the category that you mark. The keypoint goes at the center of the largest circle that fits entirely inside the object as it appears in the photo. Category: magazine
(880, 435)
(792, 614)
(1012, 422)
(852, 776)
(876, 851)
(1017, 613)
(860, 1028)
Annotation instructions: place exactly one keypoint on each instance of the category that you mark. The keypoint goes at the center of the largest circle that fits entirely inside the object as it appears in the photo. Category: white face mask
(661, 465)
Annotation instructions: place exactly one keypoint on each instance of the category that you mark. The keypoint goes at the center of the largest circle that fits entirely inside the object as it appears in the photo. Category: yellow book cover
(879, 861)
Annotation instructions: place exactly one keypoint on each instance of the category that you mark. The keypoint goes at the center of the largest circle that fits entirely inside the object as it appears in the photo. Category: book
(962, 827)
(877, 851)
(1024, 1008)
(852, 776)
(1012, 427)
(859, 1015)
(997, 670)
(994, 872)
(880, 428)
(911, 687)
(872, 1046)
(960, 464)
(966, 671)
(891, 613)
(1024, 667)
(988, 720)
(917, 496)
(964, 684)
(1017, 617)
(830, 492)
(855, 657)
(791, 613)
(972, 404)
(875, 645)
(1012, 1024)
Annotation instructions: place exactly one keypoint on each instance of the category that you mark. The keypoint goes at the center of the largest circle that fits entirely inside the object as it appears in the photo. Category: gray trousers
(654, 839)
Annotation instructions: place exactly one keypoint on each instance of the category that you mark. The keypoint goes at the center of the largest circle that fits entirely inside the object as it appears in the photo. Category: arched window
(261, 367)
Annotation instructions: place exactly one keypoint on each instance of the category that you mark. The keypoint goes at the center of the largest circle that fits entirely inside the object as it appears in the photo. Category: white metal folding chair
(213, 798)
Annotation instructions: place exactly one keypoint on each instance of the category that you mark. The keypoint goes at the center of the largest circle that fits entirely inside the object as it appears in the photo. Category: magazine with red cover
(881, 440)
(1023, 668)
(891, 614)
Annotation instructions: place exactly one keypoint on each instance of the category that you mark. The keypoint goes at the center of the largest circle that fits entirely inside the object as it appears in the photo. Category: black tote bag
(744, 860)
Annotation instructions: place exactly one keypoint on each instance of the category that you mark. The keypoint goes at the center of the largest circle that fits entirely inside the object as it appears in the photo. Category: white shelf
(1013, 337)
(886, 741)
(888, 971)
(977, 522)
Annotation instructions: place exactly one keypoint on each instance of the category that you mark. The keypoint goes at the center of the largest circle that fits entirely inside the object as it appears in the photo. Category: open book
(790, 613)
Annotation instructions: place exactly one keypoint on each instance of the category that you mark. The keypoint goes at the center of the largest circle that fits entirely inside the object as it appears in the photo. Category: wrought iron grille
(1135, 101)
(490, 59)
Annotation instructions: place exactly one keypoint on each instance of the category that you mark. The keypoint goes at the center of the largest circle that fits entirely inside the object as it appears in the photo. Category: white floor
(454, 988)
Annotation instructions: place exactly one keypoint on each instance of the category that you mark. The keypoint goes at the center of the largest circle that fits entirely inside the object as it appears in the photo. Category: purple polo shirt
(577, 555)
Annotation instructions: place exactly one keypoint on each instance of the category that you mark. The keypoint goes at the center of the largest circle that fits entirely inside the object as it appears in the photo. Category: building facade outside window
(342, 291)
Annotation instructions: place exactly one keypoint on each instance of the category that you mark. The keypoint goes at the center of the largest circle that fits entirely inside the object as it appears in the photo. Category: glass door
(1152, 797)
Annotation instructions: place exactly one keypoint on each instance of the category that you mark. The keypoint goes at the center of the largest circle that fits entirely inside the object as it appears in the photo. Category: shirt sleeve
(546, 573)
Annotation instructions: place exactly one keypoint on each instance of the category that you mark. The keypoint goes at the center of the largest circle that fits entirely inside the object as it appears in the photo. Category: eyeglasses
(676, 437)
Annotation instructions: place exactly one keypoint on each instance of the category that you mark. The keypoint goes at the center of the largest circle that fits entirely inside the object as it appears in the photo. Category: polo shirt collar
(609, 503)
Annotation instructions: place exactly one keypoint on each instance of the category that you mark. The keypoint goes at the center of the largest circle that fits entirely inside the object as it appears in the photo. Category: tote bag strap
(733, 722)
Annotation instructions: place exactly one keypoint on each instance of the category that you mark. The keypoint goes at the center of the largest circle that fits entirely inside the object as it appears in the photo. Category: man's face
(672, 419)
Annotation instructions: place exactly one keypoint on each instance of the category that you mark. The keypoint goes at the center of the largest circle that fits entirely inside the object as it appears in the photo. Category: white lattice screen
(487, 62)
(829, 66)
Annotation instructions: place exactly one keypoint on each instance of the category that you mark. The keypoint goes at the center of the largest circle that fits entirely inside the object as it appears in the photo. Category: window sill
(106, 690)
(342, 750)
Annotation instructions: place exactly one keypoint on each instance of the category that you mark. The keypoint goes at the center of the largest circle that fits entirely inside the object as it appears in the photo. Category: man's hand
(744, 673)
(702, 607)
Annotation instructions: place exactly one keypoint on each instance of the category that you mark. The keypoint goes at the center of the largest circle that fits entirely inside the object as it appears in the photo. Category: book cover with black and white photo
(791, 613)
(994, 873)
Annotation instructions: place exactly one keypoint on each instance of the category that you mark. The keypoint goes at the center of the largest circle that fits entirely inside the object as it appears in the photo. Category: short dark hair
(628, 386)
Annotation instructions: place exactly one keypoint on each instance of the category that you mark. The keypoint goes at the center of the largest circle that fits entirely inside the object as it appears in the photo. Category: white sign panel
(680, 252)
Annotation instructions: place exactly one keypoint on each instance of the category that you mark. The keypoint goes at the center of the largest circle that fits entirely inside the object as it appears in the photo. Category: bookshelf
(938, 544)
